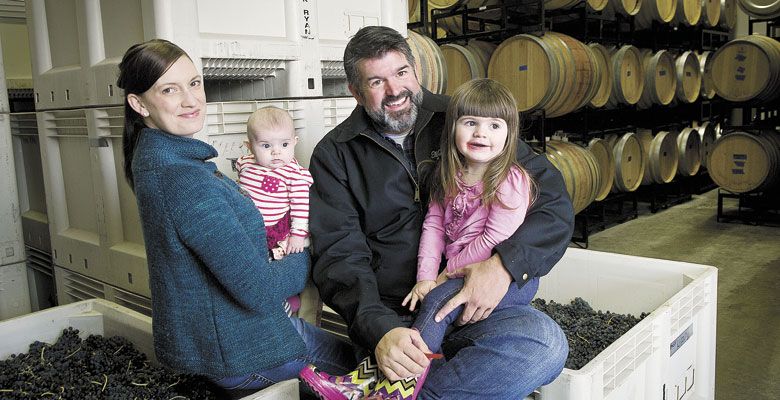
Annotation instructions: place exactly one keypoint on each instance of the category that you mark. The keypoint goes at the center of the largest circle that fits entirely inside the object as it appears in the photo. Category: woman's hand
(418, 293)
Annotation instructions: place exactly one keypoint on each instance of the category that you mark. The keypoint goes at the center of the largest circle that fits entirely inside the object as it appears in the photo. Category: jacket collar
(359, 121)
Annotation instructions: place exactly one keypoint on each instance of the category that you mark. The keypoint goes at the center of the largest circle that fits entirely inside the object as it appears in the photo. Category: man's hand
(484, 285)
(418, 293)
(401, 354)
(294, 244)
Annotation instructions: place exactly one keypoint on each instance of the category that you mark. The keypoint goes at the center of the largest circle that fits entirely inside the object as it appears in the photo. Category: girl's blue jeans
(505, 356)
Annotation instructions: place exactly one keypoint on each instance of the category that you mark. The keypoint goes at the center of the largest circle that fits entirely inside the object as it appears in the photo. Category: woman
(217, 301)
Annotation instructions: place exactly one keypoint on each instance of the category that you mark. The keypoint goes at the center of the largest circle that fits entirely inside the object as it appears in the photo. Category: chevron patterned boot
(404, 389)
(354, 385)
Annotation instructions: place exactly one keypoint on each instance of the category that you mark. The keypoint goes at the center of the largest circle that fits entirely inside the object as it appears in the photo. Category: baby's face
(273, 147)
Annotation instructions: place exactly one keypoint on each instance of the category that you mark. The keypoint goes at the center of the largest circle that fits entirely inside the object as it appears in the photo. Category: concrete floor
(748, 261)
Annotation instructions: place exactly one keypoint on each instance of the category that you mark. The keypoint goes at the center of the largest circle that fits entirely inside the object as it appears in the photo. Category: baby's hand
(295, 244)
(418, 293)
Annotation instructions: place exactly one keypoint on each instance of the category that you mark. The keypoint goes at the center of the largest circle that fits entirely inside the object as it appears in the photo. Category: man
(368, 202)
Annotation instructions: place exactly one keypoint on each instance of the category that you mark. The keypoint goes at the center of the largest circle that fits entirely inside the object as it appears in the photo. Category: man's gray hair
(372, 42)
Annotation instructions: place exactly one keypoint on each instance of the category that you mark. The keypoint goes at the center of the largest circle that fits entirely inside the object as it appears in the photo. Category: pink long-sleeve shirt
(465, 231)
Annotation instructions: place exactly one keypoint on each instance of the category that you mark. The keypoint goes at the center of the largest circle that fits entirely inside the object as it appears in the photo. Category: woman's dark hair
(142, 65)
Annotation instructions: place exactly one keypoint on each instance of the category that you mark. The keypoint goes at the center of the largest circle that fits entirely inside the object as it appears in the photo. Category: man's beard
(396, 121)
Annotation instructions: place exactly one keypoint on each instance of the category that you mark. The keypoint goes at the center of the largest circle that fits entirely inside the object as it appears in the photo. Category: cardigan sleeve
(209, 227)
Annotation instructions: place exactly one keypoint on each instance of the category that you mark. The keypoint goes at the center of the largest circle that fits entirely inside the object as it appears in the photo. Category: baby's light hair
(480, 98)
(267, 118)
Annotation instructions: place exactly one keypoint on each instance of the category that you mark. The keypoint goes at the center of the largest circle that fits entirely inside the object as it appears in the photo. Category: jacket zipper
(416, 185)
(417, 156)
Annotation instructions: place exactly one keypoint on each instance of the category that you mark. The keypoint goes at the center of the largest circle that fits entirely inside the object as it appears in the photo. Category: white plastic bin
(73, 287)
(11, 239)
(14, 292)
(672, 348)
(40, 277)
(312, 118)
(100, 317)
(29, 180)
(123, 241)
(57, 53)
(71, 177)
(253, 49)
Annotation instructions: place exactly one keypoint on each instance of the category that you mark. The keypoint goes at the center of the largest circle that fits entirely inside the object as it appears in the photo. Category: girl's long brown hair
(480, 98)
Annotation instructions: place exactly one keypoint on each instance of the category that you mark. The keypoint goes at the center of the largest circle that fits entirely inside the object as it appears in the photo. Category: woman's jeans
(325, 350)
(505, 356)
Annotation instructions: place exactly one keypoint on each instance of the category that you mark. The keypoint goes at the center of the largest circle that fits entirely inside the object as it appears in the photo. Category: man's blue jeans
(505, 356)
(325, 350)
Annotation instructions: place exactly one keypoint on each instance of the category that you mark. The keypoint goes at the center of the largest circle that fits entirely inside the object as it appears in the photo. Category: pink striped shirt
(277, 191)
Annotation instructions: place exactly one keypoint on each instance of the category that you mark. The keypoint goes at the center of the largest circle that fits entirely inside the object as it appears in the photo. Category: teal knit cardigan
(216, 299)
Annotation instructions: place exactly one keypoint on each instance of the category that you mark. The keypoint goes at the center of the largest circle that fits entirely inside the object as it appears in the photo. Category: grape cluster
(93, 368)
(588, 331)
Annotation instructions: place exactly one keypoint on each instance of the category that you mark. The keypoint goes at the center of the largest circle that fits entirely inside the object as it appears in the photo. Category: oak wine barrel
(430, 66)
(743, 162)
(626, 7)
(660, 79)
(705, 67)
(710, 13)
(761, 9)
(602, 151)
(728, 14)
(661, 11)
(660, 153)
(483, 51)
(465, 63)
(594, 5)
(689, 150)
(688, 12)
(554, 72)
(627, 76)
(629, 163)
(747, 68)
(604, 65)
(579, 169)
(688, 73)
(462, 66)
(454, 25)
(708, 137)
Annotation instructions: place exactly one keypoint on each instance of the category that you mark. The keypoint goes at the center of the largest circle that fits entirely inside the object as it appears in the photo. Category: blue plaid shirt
(407, 150)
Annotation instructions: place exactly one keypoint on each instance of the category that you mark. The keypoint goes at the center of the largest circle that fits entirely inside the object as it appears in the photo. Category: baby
(277, 184)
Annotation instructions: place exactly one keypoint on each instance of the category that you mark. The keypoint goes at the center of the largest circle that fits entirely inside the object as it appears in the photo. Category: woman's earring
(145, 113)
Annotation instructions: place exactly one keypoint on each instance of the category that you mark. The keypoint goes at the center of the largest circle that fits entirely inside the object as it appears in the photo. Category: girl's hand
(294, 244)
(418, 293)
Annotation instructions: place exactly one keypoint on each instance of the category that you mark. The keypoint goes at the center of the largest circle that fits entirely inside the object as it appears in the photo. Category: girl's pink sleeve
(431, 243)
(502, 222)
